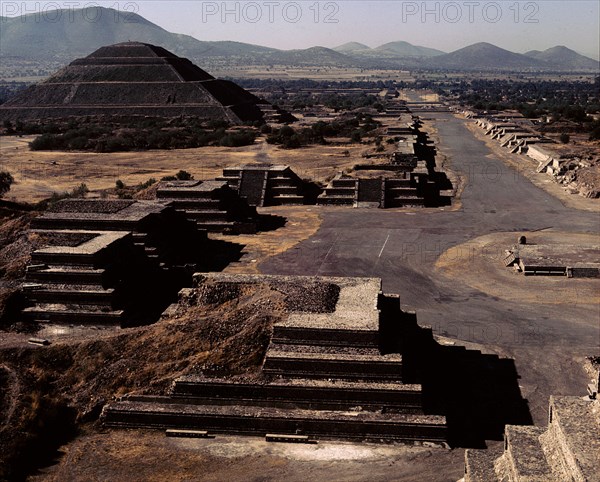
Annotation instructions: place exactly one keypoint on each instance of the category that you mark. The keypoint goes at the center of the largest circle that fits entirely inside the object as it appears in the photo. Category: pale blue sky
(446, 25)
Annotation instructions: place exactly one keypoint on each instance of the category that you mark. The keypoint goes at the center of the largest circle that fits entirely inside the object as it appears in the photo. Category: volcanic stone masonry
(110, 261)
(324, 373)
(212, 205)
(568, 449)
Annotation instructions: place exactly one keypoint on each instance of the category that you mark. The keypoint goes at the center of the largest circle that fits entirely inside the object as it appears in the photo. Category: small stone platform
(266, 184)
(573, 261)
(405, 189)
(212, 205)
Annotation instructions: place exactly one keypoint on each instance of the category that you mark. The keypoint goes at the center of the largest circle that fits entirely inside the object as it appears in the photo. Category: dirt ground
(301, 223)
(478, 263)
(121, 455)
(40, 173)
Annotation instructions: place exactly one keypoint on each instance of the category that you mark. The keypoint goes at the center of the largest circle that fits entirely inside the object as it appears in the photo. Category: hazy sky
(446, 25)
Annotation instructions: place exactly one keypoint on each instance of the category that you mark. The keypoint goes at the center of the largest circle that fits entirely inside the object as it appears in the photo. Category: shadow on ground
(478, 393)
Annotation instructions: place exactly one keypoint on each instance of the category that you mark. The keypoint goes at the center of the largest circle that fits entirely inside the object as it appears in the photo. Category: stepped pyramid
(135, 79)
(324, 373)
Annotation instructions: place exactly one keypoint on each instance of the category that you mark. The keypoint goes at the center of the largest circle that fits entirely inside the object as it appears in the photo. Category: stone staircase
(323, 376)
(342, 190)
(265, 185)
(211, 205)
(402, 192)
(568, 449)
(382, 192)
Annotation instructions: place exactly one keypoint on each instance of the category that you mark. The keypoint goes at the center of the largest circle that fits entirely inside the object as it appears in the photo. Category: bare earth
(121, 455)
(478, 263)
(40, 173)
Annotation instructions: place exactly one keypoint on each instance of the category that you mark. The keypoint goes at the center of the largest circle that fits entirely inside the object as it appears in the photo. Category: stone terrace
(323, 374)
(212, 205)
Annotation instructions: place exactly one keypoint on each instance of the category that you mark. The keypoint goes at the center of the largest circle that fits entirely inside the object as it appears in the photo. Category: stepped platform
(266, 184)
(252, 420)
(409, 190)
(323, 373)
(211, 205)
(300, 393)
(132, 80)
(98, 214)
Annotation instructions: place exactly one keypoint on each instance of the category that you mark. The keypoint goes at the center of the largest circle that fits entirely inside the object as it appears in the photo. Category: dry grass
(228, 337)
(38, 174)
(301, 223)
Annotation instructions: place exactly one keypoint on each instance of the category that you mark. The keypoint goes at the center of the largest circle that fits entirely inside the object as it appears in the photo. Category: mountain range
(69, 34)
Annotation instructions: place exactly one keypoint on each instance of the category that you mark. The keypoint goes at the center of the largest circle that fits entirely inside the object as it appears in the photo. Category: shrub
(565, 138)
(46, 142)
(80, 191)
(6, 181)
(147, 184)
(184, 176)
(119, 184)
(355, 136)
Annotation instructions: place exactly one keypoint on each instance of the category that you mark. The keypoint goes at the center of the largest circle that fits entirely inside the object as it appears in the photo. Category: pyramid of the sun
(134, 79)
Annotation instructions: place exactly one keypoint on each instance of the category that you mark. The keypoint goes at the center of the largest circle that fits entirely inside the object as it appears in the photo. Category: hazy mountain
(63, 35)
(71, 34)
(564, 58)
(351, 47)
(405, 49)
(312, 56)
(485, 56)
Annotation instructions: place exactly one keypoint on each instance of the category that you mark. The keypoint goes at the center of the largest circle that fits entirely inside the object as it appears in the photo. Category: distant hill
(312, 56)
(564, 58)
(405, 49)
(69, 34)
(485, 56)
(63, 35)
(351, 47)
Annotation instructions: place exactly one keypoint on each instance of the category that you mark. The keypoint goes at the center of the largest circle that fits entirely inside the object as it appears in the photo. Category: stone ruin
(111, 261)
(567, 449)
(137, 79)
(267, 185)
(212, 205)
(402, 190)
(572, 261)
(326, 373)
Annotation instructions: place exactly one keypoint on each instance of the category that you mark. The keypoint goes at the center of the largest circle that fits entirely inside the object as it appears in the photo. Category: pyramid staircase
(568, 449)
(211, 205)
(265, 185)
(403, 192)
(342, 190)
(323, 376)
